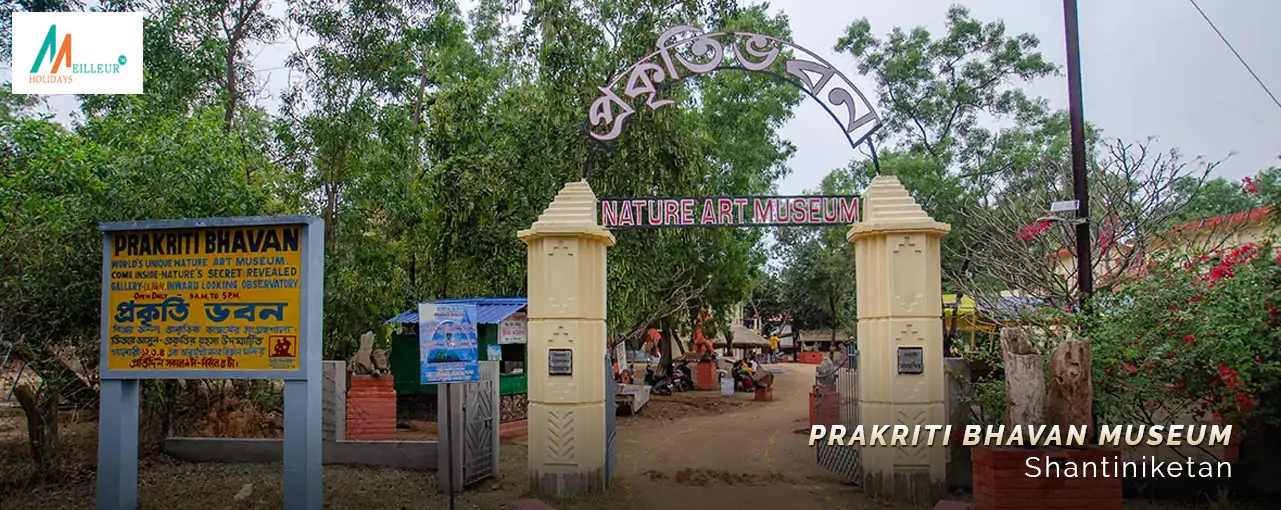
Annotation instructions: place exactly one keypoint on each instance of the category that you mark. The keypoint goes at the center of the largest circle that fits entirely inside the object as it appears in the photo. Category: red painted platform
(371, 409)
(705, 377)
(1001, 480)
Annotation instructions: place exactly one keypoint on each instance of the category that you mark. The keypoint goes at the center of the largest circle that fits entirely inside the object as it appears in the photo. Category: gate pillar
(900, 340)
(567, 436)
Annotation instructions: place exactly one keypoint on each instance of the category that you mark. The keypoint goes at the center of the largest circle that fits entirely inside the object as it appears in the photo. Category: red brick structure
(705, 377)
(1001, 480)
(371, 408)
(825, 406)
(810, 357)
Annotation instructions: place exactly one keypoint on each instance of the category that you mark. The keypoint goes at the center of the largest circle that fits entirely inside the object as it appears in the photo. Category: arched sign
(683, 51)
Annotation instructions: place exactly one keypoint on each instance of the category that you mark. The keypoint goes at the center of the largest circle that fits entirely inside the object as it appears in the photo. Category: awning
(488, 310)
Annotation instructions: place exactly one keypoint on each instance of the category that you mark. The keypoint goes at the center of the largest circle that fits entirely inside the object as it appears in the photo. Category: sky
(1150, 68)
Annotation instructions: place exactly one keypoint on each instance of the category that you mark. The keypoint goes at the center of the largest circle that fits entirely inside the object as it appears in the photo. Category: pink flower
(1031, 231)
(1247, 186)
(1189, 338)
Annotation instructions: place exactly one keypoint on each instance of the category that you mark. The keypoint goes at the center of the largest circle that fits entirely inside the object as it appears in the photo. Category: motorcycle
(656, 385)
(683, 377)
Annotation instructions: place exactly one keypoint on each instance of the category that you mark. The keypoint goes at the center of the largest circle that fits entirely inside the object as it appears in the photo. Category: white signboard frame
(514, 329)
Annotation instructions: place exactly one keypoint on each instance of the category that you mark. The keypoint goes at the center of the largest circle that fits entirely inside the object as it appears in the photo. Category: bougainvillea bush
(1199, 335)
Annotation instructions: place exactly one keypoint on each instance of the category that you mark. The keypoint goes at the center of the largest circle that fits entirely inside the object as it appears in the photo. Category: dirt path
(751, 455)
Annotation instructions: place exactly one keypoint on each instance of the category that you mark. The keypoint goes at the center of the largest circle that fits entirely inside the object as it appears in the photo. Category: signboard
(220, 300)
(512, 330)
(447, 346)
(750, 211)
(212, 298)
(911, 360)
(560, 362)
(494, 352)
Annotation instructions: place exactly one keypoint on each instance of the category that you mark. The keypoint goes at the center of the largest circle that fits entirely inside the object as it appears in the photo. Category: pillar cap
(571, 214)
(888, 207)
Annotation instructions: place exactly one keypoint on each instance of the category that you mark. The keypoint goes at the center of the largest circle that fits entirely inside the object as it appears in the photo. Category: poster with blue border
(447, 346)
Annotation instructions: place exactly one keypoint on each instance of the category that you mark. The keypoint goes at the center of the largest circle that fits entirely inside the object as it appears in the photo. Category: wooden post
(1024, 379)
(1071, 400)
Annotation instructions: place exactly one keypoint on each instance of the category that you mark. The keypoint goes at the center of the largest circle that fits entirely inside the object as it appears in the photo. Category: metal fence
(836, 401)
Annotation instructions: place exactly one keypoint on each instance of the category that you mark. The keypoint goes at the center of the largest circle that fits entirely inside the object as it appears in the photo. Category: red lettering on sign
(687, 211)
(849, 210)
(725, 210)
(671, 212)
(609, 213)
(830, 210)
(764, 210)
(625, 215)
(740, 202)
(798, 211)
(708, 217)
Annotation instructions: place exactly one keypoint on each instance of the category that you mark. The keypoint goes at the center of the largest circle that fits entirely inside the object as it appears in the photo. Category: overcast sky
(1150, 68)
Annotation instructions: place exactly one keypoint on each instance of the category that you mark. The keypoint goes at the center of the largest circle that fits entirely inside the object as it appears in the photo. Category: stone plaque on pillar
(560, 362)
(911, 360)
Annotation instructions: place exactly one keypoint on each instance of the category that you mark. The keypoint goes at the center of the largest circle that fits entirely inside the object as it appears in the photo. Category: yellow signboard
(210, 299)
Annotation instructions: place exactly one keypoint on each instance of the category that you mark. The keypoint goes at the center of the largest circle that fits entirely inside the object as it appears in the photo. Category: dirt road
(754, 455)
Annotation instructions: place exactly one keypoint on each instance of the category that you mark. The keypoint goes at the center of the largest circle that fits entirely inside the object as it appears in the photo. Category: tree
(938, 94)
(818, 281)
(1133, 197)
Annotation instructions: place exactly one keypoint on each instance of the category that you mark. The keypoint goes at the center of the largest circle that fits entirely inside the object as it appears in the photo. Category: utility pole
(1080, 190)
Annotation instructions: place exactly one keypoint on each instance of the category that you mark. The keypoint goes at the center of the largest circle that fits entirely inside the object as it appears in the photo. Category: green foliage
(1218, 196)
(1196, 336)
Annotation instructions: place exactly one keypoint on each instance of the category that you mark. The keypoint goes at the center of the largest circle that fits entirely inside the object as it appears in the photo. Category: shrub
(1198, 335)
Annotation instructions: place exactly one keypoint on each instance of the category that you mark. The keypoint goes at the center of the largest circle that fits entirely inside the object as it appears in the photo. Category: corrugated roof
(488, 310)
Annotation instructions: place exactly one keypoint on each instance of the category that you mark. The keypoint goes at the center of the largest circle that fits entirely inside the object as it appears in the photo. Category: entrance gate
(842, 460)
(479, 431)
(570, 451)
(611, 422)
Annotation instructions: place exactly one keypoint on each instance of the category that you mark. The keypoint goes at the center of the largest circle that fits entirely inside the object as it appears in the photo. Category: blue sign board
(447, 348)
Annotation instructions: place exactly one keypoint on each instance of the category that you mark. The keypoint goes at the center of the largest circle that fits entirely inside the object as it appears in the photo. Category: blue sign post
(447, 346)
(218, 298)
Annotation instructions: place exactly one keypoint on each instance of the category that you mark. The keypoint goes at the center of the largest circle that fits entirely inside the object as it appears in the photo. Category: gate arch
(689, 49)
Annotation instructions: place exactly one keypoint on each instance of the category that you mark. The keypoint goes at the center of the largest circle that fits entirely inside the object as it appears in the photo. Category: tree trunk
(664, 349)
(1024, 380)
(41, 408)
(1071, 391)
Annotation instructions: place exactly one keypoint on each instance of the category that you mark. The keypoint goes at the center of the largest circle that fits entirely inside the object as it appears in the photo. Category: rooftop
(488, 310)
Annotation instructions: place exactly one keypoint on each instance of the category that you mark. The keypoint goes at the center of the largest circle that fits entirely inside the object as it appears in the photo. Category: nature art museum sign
(748, 211)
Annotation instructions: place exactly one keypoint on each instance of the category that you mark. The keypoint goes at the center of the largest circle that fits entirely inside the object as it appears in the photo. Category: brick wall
(1001, 481)
(371, 409)
(825, 406)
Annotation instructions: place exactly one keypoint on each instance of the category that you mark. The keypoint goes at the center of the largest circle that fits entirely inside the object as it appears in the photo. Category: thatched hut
(746, 341)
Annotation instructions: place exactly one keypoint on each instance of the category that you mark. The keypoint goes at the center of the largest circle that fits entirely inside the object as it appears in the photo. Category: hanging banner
(747, 211)
(213, 299)
(512, 330)
(447, 347)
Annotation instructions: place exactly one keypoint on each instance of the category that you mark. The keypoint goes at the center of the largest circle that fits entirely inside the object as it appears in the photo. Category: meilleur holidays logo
(107, 56)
